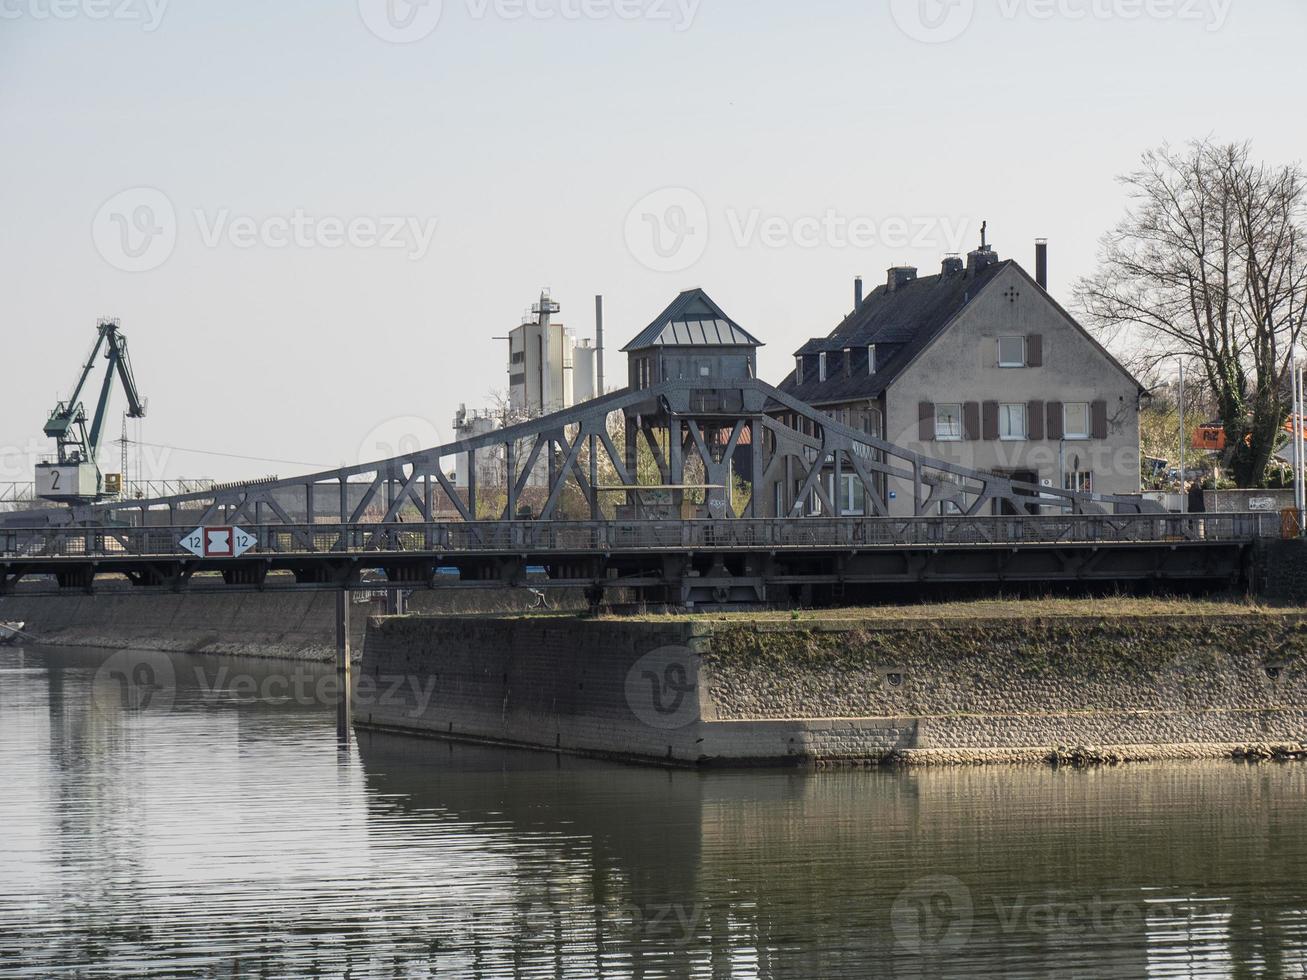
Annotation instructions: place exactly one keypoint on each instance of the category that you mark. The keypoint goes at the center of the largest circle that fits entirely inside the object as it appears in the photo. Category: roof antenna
(984, 229)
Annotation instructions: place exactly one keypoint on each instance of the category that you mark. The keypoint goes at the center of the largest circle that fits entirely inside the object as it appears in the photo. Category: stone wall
(694, 692)
(1280, 570)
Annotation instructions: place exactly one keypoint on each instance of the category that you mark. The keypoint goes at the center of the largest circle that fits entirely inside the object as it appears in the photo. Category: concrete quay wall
(693, 692)
(291, 626)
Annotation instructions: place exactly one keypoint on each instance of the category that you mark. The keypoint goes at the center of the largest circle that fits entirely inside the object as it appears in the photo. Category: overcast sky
(314, 218)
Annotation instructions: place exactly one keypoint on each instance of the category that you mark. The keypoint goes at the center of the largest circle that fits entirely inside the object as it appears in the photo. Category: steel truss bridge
(564, 501)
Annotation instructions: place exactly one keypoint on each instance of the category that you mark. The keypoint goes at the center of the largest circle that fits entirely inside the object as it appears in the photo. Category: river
(213, 828)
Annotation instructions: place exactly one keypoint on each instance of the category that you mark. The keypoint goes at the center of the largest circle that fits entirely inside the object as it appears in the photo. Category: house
(979, 366)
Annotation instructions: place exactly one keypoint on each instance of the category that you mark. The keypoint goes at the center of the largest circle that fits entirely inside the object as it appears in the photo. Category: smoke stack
(857, 293)
(599, 344)
(1041, 263)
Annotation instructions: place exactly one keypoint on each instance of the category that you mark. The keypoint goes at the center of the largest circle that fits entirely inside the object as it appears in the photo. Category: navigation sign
(218, 542)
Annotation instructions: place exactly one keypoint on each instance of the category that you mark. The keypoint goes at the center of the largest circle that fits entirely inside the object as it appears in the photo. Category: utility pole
(1300, 452)
(1296, 457)
(1184, 495)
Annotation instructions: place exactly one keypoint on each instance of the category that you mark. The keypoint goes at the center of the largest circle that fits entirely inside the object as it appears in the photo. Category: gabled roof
(901, 324)
(693, 320)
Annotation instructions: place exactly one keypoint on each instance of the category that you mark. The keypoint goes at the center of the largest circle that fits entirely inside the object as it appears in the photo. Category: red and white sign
(218, 542)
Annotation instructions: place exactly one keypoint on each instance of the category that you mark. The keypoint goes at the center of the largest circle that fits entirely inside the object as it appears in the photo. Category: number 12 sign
(218, 542)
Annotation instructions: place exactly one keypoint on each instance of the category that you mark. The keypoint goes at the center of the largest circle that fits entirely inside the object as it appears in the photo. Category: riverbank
(1073, 681)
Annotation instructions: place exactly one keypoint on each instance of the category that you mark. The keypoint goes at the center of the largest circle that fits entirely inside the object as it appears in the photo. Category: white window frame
(948, 435)
(1066, 421)
(1013, 364)
(871, 359)
(851, 491)
(821, 367)
(1005, 417)
(1079, 482)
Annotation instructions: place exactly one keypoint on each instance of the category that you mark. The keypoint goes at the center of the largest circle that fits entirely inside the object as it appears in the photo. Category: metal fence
(540, 539)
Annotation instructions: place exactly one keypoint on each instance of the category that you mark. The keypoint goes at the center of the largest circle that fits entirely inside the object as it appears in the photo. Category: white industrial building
(549, 369)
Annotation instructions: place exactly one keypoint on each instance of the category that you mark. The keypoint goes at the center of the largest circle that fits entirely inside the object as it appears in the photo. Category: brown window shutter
(990, 420)
(926, 417)
(1035, 421)
(1035, 350)
(971, 421)
(1055, 420)
(1099, 413)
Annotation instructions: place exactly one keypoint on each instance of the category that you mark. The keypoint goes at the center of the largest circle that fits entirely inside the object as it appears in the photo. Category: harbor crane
(73, 476)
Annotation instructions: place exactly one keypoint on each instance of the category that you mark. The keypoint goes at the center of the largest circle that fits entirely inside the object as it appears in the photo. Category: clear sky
(313, 218)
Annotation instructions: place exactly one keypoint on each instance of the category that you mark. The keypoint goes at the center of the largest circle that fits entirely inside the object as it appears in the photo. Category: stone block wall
(695, 692)
(1280, 570)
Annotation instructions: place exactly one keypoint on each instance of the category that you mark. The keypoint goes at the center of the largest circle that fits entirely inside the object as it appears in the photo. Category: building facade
(979, 366)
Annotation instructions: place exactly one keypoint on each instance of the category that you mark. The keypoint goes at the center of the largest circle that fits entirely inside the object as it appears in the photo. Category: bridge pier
(344, 682)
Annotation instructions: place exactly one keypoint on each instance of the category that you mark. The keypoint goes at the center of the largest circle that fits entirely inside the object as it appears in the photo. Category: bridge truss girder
(698, 421)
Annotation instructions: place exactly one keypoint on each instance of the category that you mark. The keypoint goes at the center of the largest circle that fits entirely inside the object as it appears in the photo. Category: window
(1079, 482)
(821, 366)
(1012, 352)
(798, 370)
(704, 371)
(1012, 422)
(948, 423)
(871, 359)
(1075, 420)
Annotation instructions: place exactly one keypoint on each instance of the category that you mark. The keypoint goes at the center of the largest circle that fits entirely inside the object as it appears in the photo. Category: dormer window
(871, 359)
(821, 366)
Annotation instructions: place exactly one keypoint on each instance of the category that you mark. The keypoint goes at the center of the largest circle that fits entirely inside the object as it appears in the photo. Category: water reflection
(213, 829)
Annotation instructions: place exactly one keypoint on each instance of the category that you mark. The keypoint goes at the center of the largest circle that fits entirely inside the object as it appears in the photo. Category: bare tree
(1210, 264)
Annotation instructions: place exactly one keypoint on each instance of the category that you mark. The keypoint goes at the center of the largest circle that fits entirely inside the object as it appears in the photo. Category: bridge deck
(651, 554)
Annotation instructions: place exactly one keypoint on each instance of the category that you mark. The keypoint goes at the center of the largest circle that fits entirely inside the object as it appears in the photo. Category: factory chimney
(599, 344)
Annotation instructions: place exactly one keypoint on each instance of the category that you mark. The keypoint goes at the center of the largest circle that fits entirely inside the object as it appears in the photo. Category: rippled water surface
(212, 828)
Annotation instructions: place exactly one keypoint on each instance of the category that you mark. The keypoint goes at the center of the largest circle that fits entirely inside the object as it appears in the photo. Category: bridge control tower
(694, 340)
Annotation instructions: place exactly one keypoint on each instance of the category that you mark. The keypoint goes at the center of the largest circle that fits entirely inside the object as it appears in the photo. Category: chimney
(952, 266)
(599, 345)
(1041, 263)
(899, 276)
(857, 294)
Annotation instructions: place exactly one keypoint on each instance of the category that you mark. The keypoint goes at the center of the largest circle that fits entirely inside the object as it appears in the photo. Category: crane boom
(74, 476)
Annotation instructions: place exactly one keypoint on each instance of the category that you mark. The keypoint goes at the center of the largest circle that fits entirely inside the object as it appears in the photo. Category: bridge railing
(540, 539)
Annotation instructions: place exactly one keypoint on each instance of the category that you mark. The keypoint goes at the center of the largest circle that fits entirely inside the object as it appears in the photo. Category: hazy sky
(313, 218)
